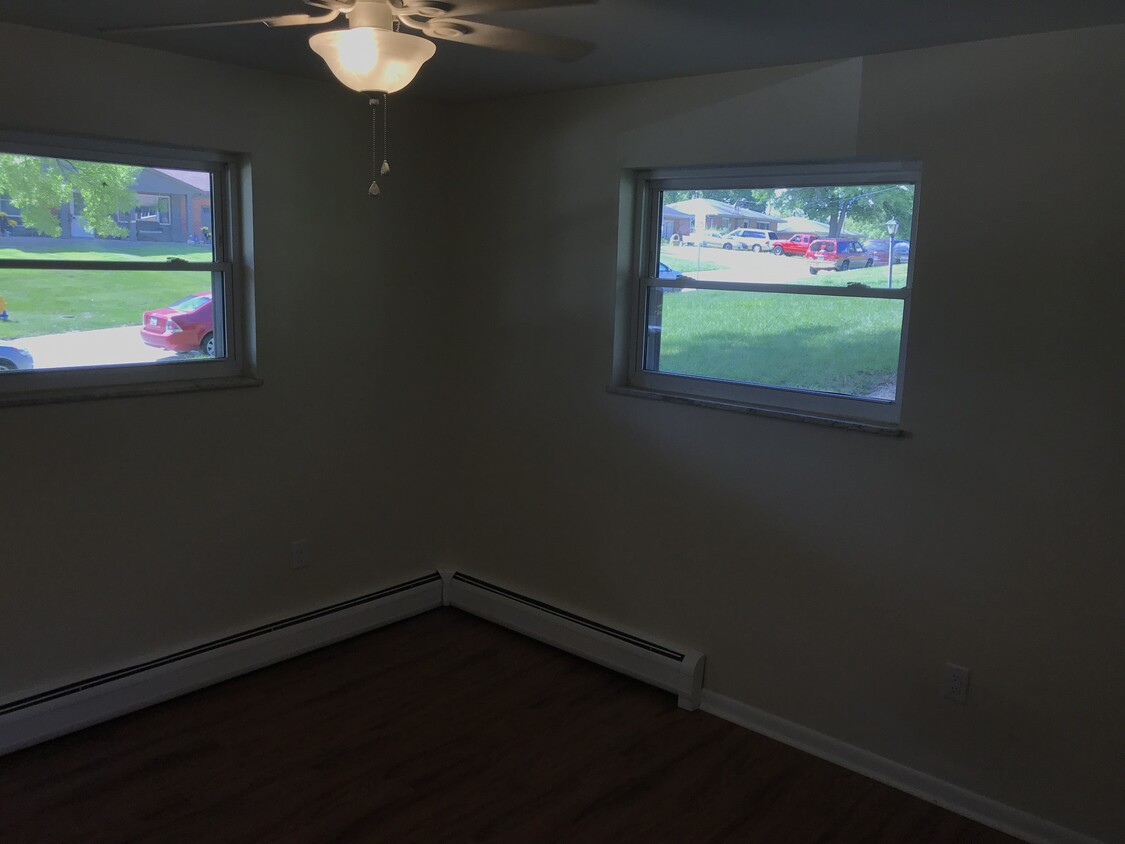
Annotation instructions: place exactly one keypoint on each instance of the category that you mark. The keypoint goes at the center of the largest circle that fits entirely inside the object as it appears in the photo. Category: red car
(183, 326)
(798, 244)
(833, 253)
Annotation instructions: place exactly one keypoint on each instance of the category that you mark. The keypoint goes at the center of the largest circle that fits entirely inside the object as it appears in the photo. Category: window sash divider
(163, 266)
(900, 293)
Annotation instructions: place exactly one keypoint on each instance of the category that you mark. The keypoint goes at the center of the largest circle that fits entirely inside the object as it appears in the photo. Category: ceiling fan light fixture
(372, 59)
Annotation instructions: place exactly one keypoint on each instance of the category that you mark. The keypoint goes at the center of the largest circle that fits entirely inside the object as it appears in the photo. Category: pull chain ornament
(377, 169)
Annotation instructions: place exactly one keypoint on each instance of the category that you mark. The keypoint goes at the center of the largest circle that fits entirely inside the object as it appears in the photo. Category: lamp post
(892, 227)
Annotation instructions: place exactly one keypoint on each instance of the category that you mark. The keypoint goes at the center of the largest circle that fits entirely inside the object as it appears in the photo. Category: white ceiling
(635, 40)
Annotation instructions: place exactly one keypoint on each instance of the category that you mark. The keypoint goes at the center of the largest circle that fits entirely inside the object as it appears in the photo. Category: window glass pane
(72, 318)
(69, 209)
(767, 235)
(834, 344)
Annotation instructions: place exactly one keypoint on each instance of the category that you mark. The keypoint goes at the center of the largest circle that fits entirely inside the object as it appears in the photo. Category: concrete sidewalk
(103, 347)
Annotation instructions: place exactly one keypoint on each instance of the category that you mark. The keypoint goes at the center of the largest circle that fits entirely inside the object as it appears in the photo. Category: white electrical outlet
(299, 554)
(955, 686)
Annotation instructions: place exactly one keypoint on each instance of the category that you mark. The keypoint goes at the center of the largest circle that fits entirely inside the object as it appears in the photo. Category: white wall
(133, 527)
(829, 575)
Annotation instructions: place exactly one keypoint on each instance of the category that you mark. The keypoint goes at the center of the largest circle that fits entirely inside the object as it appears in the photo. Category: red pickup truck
(798, 244)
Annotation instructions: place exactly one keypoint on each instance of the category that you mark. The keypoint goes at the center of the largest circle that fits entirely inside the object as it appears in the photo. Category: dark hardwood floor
(444, 728)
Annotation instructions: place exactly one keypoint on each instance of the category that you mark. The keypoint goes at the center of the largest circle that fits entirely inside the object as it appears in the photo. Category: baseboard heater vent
(676, 670)
(69, 707)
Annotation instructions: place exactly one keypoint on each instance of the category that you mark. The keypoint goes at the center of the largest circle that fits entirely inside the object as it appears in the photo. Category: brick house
(173, 206)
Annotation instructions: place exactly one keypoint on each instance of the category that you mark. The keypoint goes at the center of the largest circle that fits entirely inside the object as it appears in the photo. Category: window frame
(160, 215)
(234, 363)
(852, 411)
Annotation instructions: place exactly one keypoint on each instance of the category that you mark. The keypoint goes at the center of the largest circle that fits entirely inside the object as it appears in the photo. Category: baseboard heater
(675, 670)
(63, 709)
(70, 707)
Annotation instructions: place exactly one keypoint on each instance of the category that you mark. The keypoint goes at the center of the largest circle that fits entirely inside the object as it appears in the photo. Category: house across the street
(714, 215)
(172, 206)
(675, 222)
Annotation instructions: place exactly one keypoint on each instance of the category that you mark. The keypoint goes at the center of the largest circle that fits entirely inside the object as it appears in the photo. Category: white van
(756, 240)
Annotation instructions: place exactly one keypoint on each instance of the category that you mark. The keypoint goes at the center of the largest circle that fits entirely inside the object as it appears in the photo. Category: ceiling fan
(375, 56)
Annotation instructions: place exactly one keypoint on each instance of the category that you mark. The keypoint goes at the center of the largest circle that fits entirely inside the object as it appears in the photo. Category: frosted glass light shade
(369, 59)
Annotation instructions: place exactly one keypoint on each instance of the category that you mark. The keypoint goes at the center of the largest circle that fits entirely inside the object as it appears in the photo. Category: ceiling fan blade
(508, 40)
(342, 6)
(471, 8)
(280, 20)
(170, 27)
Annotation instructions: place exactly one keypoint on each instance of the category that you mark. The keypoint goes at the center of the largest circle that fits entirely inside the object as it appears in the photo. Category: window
(811, 324)
(157, 209)
(104, 286)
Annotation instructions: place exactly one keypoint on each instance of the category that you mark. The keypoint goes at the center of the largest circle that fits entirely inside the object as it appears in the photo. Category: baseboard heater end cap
(676, 670)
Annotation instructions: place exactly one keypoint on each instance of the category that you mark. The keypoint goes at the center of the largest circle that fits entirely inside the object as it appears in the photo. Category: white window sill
(886, 430)
(117, 391)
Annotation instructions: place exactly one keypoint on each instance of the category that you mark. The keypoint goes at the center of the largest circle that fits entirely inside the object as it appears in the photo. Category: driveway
(104, 347)
(737, 265)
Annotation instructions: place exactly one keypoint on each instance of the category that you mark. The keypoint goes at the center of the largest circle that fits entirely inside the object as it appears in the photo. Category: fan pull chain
(374, 102)
(376, 169)
(386, 168)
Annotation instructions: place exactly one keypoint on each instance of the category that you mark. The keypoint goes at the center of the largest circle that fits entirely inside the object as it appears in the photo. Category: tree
(40, 186)
(865, 207)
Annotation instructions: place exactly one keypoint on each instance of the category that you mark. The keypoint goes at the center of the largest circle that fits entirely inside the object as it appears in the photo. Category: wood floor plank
(444, 728)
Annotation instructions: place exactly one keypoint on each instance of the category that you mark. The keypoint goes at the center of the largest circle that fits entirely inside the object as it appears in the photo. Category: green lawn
(52, 301)
(870, 276)
(829, 343)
